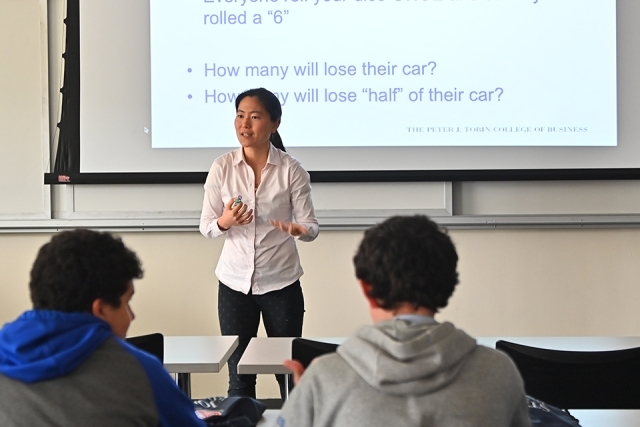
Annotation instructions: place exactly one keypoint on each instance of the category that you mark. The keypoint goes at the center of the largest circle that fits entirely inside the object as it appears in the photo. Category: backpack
(232, 411)
(544, 415)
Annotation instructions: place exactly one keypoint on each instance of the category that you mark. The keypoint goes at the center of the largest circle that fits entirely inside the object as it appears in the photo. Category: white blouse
(259, 256)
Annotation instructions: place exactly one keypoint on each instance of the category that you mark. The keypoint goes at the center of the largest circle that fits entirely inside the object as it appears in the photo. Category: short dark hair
(408, 259)
(79, 266)
(271, 103)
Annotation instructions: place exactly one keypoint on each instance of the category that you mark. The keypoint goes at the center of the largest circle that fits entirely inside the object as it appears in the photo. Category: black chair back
(304, 350)
(579, 379)
(152, 343)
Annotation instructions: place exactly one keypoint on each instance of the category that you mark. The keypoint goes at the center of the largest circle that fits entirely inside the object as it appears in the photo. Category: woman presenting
(260, 197)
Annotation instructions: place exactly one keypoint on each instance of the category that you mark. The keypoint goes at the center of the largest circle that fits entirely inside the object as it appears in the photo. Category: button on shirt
(259, 256)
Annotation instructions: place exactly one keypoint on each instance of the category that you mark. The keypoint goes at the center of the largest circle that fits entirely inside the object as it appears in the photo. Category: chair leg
(184, 383)
(287, 378)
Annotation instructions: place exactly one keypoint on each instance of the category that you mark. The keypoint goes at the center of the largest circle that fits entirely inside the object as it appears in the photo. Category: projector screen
(364, 85)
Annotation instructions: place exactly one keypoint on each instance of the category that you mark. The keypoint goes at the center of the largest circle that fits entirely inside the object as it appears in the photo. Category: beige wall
(512, 282)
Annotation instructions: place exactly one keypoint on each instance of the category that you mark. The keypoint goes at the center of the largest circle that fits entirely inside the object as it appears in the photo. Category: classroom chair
(578, 379)
(151, 343)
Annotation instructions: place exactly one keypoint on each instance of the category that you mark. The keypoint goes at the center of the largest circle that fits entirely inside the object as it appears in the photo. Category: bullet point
(189, 96)
(189, 70)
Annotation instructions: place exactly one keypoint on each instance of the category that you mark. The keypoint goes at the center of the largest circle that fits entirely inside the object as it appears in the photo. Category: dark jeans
(239, 314)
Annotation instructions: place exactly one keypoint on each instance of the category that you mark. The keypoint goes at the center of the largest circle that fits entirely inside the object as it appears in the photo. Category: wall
(24, 106)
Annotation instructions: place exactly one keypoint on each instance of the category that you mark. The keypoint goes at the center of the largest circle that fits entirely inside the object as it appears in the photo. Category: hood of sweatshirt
(401, 357)
(44, 344)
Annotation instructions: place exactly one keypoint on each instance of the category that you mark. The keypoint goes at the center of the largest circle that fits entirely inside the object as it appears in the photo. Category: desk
(185, 355)
(265, 356)
(568, 343)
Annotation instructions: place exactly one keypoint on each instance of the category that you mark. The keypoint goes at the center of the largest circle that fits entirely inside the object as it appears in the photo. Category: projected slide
(359, 73)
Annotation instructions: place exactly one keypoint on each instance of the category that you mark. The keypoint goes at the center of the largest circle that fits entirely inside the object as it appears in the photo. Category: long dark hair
(270, 103)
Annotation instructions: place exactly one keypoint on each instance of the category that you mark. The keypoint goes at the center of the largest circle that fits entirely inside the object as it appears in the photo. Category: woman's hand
(240, 214)
(292, 228)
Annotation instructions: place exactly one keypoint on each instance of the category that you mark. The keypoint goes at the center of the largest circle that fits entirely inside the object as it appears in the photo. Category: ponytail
(277, 141)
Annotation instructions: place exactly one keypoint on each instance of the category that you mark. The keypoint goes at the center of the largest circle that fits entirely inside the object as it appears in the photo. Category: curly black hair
(77, 267)
(408, 259)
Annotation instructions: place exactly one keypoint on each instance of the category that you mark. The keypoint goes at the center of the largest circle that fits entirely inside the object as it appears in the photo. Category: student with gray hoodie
(407, 369)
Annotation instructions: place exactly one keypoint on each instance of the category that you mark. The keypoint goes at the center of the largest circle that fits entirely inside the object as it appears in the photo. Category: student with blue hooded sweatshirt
(65, 363)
